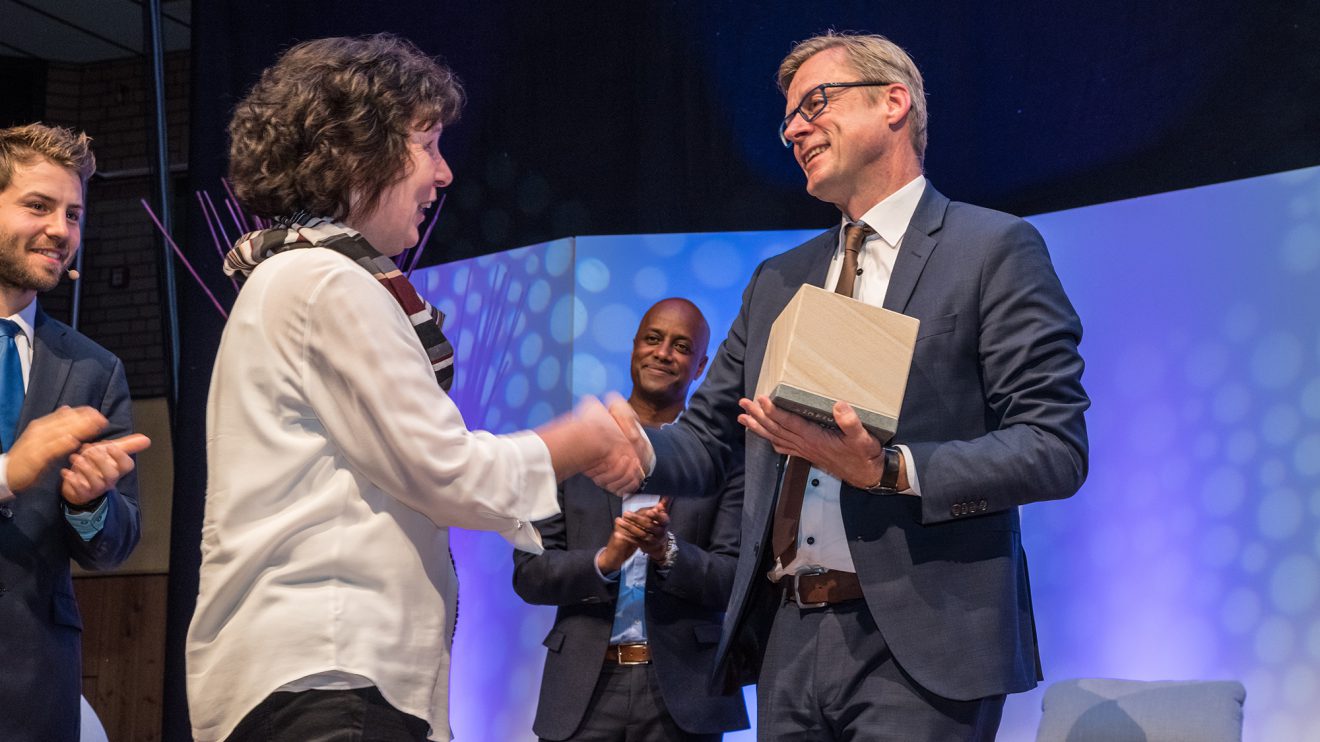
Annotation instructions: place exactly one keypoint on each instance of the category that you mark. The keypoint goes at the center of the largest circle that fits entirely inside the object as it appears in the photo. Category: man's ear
(897, 102)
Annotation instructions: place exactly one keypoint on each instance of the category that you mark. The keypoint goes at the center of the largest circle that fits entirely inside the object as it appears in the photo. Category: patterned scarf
(301, 231)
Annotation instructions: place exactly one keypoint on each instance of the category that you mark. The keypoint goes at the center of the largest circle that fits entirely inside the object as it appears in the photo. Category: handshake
(604, 443)
(66, 436)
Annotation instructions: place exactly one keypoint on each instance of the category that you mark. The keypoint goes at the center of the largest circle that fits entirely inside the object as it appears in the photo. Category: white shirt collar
(890, 217)
(26, 319)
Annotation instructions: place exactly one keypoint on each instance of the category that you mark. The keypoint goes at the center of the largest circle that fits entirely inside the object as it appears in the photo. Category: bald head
(669, 353)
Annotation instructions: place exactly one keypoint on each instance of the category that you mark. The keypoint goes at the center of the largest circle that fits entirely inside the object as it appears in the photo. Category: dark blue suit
(684, 609)
(993, 416)
(40, 628)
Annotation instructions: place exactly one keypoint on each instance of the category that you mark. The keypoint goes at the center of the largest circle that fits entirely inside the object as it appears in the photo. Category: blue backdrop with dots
(1193, 550)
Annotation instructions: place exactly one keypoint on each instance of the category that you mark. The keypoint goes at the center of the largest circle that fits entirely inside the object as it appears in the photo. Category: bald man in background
(641, 590)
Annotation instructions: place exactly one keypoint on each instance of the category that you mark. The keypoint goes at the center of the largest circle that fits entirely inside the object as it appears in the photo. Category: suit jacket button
(6, 512)
(954, 510)
(984, 505)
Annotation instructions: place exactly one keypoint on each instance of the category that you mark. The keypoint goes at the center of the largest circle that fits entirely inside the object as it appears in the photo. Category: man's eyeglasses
(814, 102)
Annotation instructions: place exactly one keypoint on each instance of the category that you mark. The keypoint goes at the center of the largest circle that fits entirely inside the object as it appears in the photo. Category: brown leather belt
(820, 588)
(628, 654)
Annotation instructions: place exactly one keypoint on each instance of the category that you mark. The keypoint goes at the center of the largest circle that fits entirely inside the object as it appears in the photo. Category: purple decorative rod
(416, 257)
(186, 264)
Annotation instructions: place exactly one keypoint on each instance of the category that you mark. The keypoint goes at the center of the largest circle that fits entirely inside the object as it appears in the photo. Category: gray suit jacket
(993, 416)
(684, 609)
(41, 633)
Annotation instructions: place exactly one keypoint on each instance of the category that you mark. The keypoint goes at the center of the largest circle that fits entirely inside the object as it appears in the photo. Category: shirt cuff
(87, 524)
(539, 483)
(611, 577)
(539, 487)
(5, 493)
(648, 460)
(914, 485)
(523, 536)
(649, 464)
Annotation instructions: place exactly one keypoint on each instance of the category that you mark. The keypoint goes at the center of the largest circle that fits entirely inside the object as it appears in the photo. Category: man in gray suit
(641, 590)
(58, 390)
(897, 605)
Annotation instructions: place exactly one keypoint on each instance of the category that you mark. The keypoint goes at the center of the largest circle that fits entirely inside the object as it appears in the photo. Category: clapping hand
(97, 467)
(646, 528)
(643, 529)
(48, 440)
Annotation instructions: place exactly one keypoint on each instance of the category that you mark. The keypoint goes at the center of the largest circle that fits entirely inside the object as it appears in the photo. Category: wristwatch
(889, 473)
(666, 560)
(87, 507)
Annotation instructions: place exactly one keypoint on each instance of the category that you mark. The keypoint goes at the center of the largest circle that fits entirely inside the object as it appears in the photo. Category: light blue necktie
(630, 607)
(11, 383)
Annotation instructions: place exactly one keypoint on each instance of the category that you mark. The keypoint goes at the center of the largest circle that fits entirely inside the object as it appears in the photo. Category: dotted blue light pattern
(500, 313)
(1192, 552)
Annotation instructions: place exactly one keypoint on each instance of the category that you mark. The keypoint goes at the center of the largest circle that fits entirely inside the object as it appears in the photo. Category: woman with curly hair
(337, 462)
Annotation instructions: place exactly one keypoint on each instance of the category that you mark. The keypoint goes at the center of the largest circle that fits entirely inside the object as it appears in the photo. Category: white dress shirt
(26, 319)
(821, 540)
(336, 467)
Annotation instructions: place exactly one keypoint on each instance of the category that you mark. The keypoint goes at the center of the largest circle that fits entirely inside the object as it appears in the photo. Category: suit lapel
(50, 370)
(818, 256)
(918, 243)
(807, 263)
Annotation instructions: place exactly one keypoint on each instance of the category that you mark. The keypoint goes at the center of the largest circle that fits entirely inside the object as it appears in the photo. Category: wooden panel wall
(124, 652)
(123, 611)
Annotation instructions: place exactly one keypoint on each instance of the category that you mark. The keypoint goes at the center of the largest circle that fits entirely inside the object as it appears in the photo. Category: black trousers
(627, 706)
(829, 676)
(358, 715)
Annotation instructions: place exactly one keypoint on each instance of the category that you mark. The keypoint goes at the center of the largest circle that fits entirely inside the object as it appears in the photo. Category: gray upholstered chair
(1102, 710)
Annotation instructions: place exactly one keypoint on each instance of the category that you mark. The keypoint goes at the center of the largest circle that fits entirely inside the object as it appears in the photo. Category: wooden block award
(826, 347)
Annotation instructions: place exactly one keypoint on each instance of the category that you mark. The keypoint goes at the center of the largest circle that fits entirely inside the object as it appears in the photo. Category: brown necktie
(788, 511)
(853, 236)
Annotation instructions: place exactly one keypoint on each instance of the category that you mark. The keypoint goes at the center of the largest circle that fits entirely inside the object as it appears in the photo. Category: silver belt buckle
(797, 586)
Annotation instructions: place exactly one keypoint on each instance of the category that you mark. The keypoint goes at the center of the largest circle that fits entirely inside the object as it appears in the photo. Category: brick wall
(120, 300)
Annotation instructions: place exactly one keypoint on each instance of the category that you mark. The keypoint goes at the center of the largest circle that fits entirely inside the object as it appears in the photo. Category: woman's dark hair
(326, 128)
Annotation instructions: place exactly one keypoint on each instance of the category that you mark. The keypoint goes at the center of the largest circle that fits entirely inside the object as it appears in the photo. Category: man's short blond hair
(875, 58)
(24, 145)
